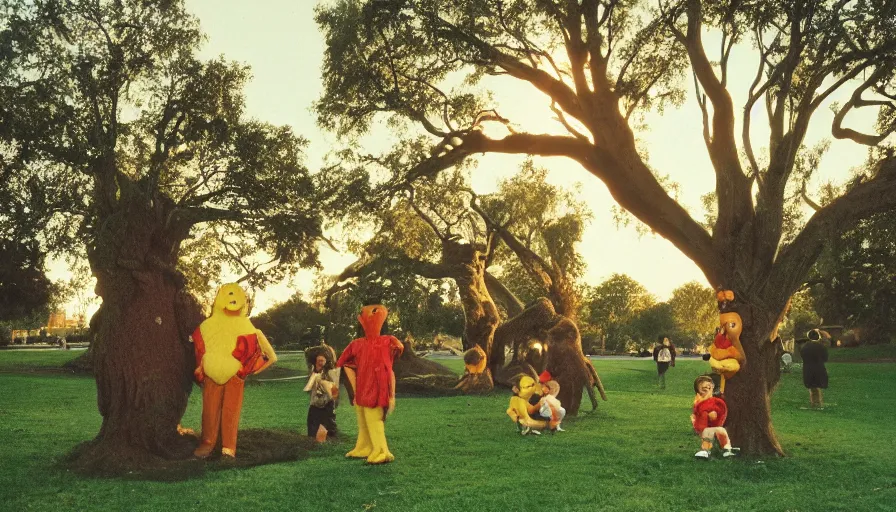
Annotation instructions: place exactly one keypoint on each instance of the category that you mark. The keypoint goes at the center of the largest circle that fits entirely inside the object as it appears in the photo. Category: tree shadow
(256, 447)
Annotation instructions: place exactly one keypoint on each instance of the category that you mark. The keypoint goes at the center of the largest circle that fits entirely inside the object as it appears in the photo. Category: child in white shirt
(550, 407)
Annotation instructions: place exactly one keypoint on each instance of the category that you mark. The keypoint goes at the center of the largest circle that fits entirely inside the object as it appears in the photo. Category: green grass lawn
(462, 453)
(864, 353)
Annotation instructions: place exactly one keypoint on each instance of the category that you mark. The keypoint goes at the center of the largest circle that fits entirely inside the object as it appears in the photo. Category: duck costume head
(367, 363)
(520, 410)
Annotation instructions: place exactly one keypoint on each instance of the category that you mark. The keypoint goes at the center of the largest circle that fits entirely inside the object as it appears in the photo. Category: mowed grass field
(463, 453)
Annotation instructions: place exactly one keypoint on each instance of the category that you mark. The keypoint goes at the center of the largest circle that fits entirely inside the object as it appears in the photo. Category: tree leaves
(110, 99)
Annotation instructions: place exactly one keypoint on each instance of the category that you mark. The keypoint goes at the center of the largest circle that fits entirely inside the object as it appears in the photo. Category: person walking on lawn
(664, 356)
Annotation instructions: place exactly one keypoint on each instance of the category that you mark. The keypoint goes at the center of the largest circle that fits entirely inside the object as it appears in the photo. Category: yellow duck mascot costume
(520, 409)
(367, 363)
(726, 352)
(228, 349)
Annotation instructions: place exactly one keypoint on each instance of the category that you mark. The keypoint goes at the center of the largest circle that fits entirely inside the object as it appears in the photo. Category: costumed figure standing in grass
(708, 419)
(228, 349)
(367, 363)
(726, 354)
(520, 409)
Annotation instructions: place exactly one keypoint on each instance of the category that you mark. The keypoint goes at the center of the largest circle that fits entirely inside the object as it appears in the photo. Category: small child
(550, 407)
(708, 417)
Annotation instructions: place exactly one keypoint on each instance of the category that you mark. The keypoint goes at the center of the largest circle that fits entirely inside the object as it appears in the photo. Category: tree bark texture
(480, 313)
(748, 393)
(142, 359)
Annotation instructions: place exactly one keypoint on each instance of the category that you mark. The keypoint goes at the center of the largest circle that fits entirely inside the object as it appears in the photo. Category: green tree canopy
(854, 281)
(420, 65)
(109, 100)
(612, 307)
(293, 322)
(695, 314)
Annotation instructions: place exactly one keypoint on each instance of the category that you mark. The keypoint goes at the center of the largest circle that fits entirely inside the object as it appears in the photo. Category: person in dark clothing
(323, 389)
(815, 375)
(664, 356)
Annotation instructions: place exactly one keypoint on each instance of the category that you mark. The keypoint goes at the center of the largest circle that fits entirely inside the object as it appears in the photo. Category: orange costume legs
(221, 406)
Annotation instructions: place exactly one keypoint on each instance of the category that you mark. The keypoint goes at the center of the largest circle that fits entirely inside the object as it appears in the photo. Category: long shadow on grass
(256, 447)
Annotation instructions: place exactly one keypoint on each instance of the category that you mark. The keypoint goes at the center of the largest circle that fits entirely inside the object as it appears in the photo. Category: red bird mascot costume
(367, 364)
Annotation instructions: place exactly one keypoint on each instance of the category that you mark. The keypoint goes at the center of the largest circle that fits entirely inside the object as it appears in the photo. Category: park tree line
(120, 144)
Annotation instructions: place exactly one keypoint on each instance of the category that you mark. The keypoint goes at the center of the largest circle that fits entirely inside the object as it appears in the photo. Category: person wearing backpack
(323, 391)
(664, 356)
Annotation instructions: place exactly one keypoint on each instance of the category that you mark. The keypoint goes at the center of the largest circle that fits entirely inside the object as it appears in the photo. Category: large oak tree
(110, 99)
(598, 63)
(438, 229)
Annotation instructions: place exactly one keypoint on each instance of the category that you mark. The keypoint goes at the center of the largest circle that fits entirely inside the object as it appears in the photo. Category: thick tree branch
(812, 204)
(860, 202)
(369, 264)
(594, 40)
(535, 264)
(856, 101)
(562, 118)
(503, 295)
(732, 186)
(182, 218)
(630, 182)
(516, 143)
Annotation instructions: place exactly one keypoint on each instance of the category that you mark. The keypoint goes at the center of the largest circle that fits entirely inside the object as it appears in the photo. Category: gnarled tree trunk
(565, 360)
(142, 358)
(480, 313)
(748, 393)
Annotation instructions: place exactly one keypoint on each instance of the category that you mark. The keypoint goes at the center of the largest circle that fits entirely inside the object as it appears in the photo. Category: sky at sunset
(282, 44)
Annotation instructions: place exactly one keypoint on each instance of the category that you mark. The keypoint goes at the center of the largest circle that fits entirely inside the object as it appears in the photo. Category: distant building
(57, 325)
(58, 320)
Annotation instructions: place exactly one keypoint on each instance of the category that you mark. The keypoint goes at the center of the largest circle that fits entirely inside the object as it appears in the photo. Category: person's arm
(270, 357)
(199, 350)
(346, 361)
(312, 381)
(723, 411)
(534, 408)
(391, 394)
(334, 392)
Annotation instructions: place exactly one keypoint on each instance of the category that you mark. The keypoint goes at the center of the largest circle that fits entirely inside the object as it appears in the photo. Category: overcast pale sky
(282, 44)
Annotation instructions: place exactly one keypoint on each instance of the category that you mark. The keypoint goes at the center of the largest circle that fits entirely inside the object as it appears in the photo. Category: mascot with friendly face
(228, 349)
(367, 364)
(520, 410)
(726, 352)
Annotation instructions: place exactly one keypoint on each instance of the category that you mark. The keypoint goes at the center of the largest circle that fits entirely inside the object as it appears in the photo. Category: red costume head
(544, 377)
(372, 318)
